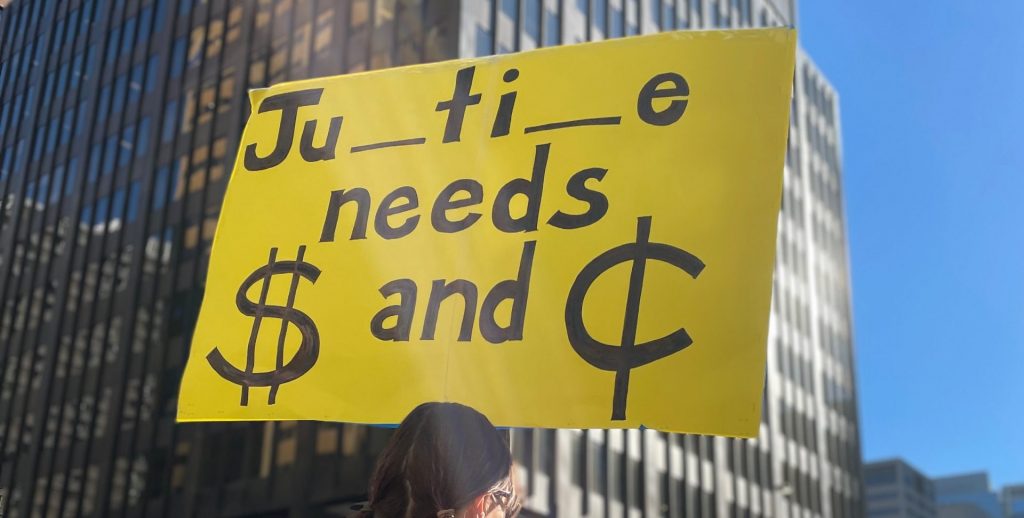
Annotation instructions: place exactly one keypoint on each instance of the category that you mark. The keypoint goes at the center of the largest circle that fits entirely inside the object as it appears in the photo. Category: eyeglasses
(508, 501)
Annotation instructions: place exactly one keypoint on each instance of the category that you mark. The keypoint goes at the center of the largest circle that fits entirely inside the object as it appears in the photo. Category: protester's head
(445, 460)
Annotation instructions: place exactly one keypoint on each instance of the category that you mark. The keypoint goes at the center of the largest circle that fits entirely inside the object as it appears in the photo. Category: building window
(617, 24)
(117, 99)
(126, 145)
(632, 17)
(112, 43)
(145, 31)
(552, 28)
(128, 36)
(133, 202)
(142, 144)
(170, 121)
(668, 16)
(600, 17)
(160, 15)
(135, 84)
(195, 46)
(72, 175)
(484, 46)
(86, 19)
(57, 187)
(531, 19)
(879, 475)
(160, 187)
(151, 72)
(90, 62)
(177, 58)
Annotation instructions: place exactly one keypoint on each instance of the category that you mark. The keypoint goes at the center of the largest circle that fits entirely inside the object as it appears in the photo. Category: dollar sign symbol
(308, 350)
(629, 355)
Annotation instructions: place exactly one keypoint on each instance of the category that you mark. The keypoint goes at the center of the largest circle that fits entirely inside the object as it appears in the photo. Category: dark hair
(443, 456)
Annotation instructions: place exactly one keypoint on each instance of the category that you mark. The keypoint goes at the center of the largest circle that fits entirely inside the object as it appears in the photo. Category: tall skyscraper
(806, 461)
(895, 489)
(119, 124)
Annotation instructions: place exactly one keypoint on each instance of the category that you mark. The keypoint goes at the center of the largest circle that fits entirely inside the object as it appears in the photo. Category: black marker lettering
(515, 290)
(339, 198)
(532, 189)
(577, 188)
(289, 104)
(439, 291)
(439, 214)
(456, 106)
(503, 119)
(311, 153)
(388, 208)
(628, 355)
(403, 311)
(651, 91)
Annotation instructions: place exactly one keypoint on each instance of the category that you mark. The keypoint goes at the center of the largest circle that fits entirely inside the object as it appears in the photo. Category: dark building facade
(119, 123)
(118, 129)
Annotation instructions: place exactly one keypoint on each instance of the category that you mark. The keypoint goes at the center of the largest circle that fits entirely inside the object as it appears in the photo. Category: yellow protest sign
(579, 236)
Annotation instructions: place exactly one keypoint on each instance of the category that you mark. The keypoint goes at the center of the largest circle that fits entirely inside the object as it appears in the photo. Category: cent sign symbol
(629, 355)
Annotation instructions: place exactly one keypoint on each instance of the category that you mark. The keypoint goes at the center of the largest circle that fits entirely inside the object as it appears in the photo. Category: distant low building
(895, 489)
(1013, 501)
(966, 496)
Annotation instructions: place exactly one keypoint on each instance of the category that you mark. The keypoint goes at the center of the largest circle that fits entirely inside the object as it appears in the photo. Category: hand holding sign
(532, 235)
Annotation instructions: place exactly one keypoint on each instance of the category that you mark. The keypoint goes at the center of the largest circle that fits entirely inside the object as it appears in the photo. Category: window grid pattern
(806, 461)
(119, 122)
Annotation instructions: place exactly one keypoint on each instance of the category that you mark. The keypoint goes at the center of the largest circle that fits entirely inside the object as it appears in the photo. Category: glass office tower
(119, 123)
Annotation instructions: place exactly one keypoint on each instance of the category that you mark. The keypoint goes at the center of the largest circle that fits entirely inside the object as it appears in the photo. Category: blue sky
(932, 103)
